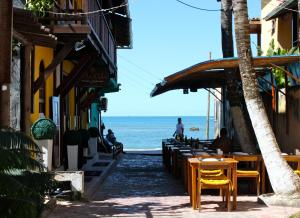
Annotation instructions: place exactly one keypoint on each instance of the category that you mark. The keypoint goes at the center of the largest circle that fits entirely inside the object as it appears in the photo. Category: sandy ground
(139, 187)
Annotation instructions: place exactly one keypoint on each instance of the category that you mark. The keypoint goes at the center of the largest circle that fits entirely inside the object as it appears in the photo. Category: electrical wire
(139, 67)
(201, 9)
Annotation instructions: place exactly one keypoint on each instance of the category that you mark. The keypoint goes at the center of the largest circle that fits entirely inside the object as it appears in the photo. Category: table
(196, 163)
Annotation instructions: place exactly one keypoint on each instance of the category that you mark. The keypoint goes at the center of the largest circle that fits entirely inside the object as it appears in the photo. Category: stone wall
(15, 90)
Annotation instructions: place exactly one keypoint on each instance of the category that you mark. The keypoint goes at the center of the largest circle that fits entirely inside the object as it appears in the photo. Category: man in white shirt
(179, 130)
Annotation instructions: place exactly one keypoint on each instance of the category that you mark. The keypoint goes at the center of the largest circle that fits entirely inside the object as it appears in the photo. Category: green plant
(39, 7)
(43, 129)
(279, 74)
(94, 132)
(23, 180)
(72, 137)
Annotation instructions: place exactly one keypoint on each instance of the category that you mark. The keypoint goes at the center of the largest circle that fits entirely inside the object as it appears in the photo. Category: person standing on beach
(179, 130)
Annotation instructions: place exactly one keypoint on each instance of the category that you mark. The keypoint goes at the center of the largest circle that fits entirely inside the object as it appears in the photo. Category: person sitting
(223, 142)
(111, 137)
(112, 143)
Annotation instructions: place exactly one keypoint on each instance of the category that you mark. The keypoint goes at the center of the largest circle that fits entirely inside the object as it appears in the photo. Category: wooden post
(6, 20)
(26, 90)
(298, 38)
(208, 108)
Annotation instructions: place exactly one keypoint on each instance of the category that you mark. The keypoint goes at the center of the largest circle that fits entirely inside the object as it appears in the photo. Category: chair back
(293, 159)
(251, 159)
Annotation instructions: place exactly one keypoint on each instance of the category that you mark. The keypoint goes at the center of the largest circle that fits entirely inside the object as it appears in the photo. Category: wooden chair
(215, 179)
(294, 159)
(250, 172)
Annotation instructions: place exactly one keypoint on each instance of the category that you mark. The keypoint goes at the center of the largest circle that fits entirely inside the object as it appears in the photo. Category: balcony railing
(96, 21)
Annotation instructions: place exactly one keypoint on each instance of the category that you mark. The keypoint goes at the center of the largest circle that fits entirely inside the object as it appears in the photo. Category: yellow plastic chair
(250, 173)
(214, 179)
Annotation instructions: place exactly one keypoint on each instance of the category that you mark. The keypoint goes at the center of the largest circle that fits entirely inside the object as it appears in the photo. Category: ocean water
(146, 133)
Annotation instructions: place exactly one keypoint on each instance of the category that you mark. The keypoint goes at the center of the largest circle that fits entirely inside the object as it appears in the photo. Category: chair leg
(222, 194)
(199, 197)
(228, 193)
(258, 186)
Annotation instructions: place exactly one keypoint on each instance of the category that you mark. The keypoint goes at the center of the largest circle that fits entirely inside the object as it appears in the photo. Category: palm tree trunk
(239, 121)
(283, 180)
(298, 42)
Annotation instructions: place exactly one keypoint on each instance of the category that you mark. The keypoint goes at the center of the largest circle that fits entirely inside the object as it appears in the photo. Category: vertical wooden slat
(6, 20)
(5, 36)
(286, 104)
(26, 90)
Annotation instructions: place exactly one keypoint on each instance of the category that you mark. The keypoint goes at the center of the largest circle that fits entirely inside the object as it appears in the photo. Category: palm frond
(23, 180)
(18, 151)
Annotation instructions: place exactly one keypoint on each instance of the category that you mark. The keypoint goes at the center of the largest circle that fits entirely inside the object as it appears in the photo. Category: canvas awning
(282, 9)
(212, 74)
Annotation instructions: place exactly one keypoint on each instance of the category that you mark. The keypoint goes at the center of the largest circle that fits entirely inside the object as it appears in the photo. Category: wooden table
(196, 163)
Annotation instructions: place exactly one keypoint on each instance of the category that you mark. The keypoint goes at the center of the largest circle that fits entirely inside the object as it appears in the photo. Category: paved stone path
(139, 187)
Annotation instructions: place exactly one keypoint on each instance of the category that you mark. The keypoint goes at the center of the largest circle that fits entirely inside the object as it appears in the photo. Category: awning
(122, 30)
(212, 74)
(282, 9)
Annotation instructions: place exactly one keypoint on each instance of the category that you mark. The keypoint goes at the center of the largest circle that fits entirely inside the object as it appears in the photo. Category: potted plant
(43, 131)
(94, 134)
(72, 139)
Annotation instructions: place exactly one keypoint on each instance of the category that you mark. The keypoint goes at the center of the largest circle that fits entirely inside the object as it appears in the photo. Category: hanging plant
(43, 129)
(39, 7)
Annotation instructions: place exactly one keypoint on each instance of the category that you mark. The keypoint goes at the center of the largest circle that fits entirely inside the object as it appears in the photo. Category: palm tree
(282, 177)
(298, 23)
(234, 98)
(23, 180)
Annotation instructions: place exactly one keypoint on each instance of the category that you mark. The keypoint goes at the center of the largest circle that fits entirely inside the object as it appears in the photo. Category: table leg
(189, 179)
(263, 178)
(194, 188)
(234, 184)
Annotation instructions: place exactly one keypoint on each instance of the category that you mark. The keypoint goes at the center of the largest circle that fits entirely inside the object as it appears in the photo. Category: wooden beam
(37, 84)
(89, 99)
(26, 89)
(286, 72)
(30, 27)
(6, 21)
(67, 48)
(81, 93)
(72, 28)
(81, 18)
(18, 36)
(40, 39)
(78, 71)
(59, 57)
(91, 84)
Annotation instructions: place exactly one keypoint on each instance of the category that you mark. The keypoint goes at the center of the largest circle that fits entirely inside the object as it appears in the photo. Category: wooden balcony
(69, 23)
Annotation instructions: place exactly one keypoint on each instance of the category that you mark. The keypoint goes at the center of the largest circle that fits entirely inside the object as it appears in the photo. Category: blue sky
(167, 37)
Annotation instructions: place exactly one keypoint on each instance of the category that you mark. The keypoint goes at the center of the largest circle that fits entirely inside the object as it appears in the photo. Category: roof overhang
(27, 29)
(282, 9)
(212, 74)
(122, 30)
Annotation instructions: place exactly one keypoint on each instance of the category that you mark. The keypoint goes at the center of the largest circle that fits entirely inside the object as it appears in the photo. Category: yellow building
(68, 80)
(279, 23)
